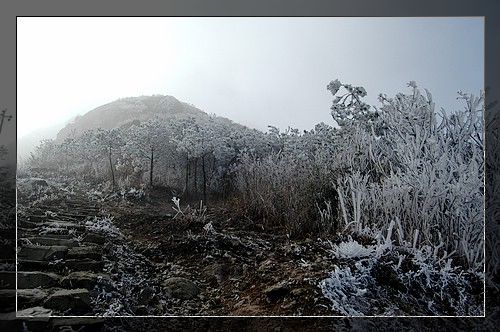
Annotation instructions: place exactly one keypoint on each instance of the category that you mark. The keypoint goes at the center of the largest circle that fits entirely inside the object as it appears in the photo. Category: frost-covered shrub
(103, 225)
(425, 171)
(395, 280)
(352, 249)
(346, 290)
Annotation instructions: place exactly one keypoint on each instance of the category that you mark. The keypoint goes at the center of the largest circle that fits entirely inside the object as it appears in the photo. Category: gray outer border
(490, 9)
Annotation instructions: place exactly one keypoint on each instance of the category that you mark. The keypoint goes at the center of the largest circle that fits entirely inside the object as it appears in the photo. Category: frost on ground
(131, 289)
(392, 280)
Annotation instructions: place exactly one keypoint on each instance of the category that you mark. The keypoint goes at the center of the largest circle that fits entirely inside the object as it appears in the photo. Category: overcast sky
(255, 71)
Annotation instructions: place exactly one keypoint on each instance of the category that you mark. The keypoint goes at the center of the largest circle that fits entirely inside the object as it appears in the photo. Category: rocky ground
(85, 253)
(80, 254)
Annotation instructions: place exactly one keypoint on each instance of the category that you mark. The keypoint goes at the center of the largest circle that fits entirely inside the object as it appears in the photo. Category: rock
(75, 300)
(42, 253)
(217, 273)
(36, 279)
(181, 288)
(38, 182)
(30, 319)
(82, 279)
(30, 297)
(35, 312)
(277, 291)
(94, 238)
(91, 252)
(146, 295)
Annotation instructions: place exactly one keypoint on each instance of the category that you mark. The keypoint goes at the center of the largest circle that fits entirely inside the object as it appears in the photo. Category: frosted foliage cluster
(352, 249)
(402, 277)
(401, 161)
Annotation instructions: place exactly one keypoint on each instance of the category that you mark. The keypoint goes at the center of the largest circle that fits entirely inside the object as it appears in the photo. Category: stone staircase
(59, 263)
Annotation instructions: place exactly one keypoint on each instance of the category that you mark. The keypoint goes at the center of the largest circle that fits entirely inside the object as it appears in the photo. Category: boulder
(181, 288)
(30, 297)
(75, 300)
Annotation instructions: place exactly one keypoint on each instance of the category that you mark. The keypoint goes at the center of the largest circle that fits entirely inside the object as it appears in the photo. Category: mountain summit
(126, 110)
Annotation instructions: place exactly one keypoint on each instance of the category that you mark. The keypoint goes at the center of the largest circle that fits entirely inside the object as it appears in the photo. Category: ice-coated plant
(177, 207)
(352, 249)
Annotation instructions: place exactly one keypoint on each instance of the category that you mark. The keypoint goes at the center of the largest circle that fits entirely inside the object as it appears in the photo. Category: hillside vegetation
(396, 190)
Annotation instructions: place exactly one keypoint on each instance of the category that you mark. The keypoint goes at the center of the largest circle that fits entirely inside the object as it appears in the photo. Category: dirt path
(238, 268)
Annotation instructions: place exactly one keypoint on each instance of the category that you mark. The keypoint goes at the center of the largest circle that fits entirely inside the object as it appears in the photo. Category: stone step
(34, 265)
(52, 241)
(63, 224)
(42, 253)
(84, 265)
(89, 237)
(73, 216)
(61, 266)
(28, 314)
(84, 279)
(31, 319)
(64, 236)
(57, 232)
(26, 280)
(94, 238)
(30, 297)
(72, 300)
(91, 252)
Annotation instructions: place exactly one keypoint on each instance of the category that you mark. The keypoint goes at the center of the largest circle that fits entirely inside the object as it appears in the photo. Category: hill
(126, 110)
